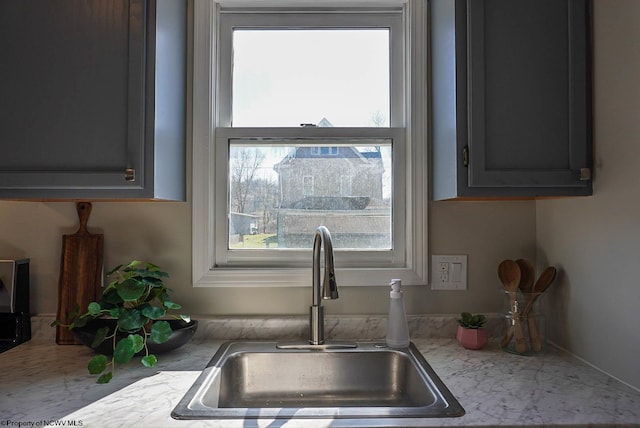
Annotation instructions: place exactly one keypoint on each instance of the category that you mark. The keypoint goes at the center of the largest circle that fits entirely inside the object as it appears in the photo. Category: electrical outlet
(443, 271)
(448, 272)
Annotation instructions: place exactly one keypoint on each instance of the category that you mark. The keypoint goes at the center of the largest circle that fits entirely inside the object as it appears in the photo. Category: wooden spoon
(526, 288)
(510, 274)
(544, 281)
(527, 275)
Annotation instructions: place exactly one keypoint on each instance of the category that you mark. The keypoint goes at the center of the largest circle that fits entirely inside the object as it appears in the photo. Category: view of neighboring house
(340, 187)
(311, 173)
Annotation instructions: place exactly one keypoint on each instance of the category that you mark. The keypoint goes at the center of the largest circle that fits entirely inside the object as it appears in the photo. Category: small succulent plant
(468, 320)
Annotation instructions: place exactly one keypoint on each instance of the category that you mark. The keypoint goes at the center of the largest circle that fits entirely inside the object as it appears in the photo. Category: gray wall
(596, 240)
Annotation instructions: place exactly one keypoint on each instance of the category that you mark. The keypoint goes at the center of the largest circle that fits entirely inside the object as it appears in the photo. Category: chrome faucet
(329, 287)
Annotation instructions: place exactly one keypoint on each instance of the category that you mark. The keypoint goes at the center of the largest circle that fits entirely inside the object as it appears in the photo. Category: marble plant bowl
(182, 332)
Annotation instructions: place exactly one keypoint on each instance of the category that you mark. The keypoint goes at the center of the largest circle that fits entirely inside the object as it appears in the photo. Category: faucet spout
(327, 289)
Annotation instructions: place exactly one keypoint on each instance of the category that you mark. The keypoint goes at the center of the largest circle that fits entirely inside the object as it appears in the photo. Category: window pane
(280, 192)
(326, 77)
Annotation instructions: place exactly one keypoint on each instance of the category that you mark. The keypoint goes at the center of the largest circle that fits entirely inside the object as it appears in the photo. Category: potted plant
(471, 333)
(132, 318)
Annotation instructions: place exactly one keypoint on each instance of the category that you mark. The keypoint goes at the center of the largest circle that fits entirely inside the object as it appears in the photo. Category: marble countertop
(44, 384)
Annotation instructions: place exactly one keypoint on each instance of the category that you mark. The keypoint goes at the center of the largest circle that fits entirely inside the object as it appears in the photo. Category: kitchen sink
(270, 380)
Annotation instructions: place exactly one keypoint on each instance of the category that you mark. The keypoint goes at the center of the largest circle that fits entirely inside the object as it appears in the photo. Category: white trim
(202, 137)
(205, 114)
(418, 124)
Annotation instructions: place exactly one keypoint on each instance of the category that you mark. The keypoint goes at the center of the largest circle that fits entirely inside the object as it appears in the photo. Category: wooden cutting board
(80, 273)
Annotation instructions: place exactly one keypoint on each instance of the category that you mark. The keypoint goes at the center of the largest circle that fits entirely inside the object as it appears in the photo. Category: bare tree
(244, 165)
(266, 194)
(378, 119)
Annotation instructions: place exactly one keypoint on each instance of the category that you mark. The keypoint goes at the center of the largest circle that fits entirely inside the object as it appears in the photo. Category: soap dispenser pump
(397, 327)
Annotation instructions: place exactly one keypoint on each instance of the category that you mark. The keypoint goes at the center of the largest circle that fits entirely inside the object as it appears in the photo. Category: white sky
(288, 77)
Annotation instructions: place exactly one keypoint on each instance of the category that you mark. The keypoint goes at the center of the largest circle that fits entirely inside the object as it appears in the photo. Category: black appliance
(15, 319)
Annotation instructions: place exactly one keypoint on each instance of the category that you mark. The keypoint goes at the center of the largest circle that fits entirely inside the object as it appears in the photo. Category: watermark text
(41, 423)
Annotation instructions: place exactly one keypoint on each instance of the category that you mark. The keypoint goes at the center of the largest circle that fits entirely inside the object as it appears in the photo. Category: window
(314, 75)
(307, 185)
(290, 188)
(324, 151)
(304, 117)
(345, 185)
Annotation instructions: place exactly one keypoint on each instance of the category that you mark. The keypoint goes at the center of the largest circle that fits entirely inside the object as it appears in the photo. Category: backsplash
(365, 327)
(361, 327)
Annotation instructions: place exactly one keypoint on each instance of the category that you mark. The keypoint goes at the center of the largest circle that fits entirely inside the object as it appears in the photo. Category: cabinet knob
(465, 156)
(130, 174)
(585, 174)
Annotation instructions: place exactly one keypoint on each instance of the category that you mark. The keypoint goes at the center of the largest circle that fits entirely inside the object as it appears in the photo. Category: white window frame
(207, 161)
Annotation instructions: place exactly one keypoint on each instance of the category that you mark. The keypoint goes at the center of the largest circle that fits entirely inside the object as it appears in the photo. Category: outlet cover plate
(449, 272)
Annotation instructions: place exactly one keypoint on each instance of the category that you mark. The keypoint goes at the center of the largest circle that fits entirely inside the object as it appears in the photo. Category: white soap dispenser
(397, 327)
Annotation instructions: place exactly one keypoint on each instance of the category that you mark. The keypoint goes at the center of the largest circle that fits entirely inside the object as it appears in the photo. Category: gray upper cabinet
(511, 92)
(92, 104)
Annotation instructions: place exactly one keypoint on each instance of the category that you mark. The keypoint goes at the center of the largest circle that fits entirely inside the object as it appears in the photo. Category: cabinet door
(527, 88)
(511, 98)
(72, 104)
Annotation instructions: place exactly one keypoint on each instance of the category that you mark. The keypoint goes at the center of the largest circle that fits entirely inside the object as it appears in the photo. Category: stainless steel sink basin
(261, 380)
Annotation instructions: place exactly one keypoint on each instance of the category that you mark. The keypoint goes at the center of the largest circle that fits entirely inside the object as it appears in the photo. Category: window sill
(301, 277)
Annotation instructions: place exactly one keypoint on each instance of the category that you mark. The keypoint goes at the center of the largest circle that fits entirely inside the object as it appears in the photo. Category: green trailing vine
(137, 298)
